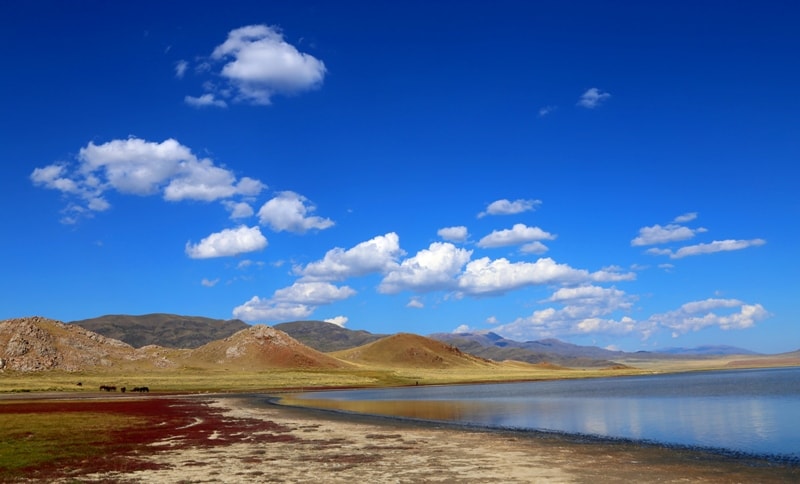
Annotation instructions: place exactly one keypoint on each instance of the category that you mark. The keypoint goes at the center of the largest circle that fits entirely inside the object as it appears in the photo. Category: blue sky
(611, 173)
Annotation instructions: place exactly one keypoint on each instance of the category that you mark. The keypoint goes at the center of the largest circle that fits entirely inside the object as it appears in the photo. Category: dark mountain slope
(167, 330)
(327, 337)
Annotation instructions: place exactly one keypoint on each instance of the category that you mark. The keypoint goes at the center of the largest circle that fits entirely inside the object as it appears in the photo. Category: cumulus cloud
(592, 98)
(297, 301)
(534, 248)
(377, 255)
(257, 64)
(519, 234)
(291, 212)
(724, 313)
(238, 209)
(507, 207)
(338, 321)
(430, 269)
(257, 309)
(662, 235)
(228, 242)
(709, 248)
(138, 167)
(493, 277)
(584, 309)
(454, 234)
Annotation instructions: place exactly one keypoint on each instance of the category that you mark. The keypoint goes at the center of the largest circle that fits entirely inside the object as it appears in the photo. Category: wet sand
(265, 443)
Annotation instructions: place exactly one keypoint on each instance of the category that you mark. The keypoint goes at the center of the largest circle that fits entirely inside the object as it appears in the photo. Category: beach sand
(278, 444)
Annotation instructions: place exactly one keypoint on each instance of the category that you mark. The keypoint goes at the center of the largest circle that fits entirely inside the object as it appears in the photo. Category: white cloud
(430, 269)
(687, 217)
(415, 303)
(139, 167)
(259, 63)
(338, 321)
(662, 235)
(723, 313)
(205, 100)
(290, 212)
(710, 248)
(519, 234)
(534, 248)
(462, 329)
(180, 68)
(297, 301)
(454, 234)
(209, 282)
(377, 255)
(544, 111)
(585, 309)
(257, 309)
(238, 209)
(593, 98)
(312, 293)
(493, 277)
(507, 207)
(228, 242)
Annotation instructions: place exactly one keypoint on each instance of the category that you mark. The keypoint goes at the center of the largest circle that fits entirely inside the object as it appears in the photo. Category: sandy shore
(309, 446)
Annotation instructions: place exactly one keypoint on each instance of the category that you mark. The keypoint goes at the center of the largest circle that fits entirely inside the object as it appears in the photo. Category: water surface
(749, 411)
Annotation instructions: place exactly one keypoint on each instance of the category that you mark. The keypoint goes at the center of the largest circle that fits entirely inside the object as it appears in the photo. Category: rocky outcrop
(38, 344)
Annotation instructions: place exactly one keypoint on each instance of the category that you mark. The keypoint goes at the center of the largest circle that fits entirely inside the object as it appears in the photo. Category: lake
(740, 411)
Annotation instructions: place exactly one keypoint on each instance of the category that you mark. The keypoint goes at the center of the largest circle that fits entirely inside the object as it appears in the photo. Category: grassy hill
(410, 350)
(167, 330)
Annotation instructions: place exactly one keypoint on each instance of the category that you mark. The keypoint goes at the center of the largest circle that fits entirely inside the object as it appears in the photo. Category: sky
(619, 174)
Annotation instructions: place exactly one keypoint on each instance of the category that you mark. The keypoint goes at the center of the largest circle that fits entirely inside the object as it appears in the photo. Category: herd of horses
(113, 388)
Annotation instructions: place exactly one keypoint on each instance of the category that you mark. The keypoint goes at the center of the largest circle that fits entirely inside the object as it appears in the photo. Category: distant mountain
(411, 350)
(495, 347)
(327, 337)
(708, 350)
(167, 330)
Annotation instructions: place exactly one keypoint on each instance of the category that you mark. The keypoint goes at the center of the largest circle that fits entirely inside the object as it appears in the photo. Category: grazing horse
(140, 389)
(108, 388)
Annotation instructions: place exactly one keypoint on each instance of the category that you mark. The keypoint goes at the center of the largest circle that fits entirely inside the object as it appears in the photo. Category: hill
(260, 347)
(327, 337)
(167, 330)
(39, 344)
(411, 351)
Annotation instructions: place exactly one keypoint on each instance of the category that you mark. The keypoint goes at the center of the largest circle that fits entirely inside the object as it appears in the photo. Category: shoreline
(337, 447)
(221, 437)
(578, 438)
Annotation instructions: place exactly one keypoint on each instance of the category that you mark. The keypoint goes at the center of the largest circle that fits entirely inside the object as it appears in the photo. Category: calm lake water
(751, 411)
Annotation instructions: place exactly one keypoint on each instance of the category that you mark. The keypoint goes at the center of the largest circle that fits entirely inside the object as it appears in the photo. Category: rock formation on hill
(36, 344)
(262, 346)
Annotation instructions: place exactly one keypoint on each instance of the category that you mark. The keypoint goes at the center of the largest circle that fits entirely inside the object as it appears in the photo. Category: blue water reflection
(753, 411)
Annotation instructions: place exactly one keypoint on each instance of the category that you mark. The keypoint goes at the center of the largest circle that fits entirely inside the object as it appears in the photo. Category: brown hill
(259, 347)
(410, 350)
(167, 330)
(37, 344)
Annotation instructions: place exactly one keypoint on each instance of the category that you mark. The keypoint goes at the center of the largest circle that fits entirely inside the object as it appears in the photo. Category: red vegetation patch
(180, 423)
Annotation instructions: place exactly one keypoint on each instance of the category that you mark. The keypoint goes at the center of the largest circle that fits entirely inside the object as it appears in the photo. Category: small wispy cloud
(593, 98)
(507, 207)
